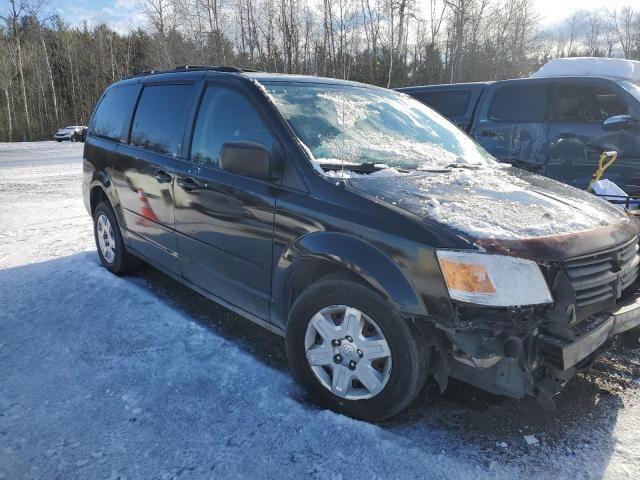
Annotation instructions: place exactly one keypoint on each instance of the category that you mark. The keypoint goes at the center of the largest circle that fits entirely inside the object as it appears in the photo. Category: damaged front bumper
(592, 333)
(546, 362)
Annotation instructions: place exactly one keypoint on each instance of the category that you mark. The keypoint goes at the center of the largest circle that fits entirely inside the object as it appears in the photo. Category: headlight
(495, 280)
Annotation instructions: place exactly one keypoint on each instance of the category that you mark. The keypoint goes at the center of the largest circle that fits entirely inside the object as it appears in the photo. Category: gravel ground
(139, 377)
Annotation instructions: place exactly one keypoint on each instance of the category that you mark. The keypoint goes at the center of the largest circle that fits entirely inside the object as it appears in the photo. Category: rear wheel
(111, 250)
(352, 352)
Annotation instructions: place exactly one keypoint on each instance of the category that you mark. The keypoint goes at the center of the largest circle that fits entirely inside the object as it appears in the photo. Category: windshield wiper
(365, 167)
(447, 168)
(463, 165)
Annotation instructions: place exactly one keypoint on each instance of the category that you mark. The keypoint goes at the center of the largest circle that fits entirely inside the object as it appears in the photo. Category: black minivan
(380, 240)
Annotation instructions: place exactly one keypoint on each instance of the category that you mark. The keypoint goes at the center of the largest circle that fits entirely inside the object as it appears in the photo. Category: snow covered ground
(104, 377)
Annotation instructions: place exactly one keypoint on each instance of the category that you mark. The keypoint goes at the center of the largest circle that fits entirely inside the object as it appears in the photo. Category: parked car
(379, 239)
(73, 133)
(556, 123)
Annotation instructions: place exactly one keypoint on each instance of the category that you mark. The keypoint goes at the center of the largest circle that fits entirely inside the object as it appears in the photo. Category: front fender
(356, 255)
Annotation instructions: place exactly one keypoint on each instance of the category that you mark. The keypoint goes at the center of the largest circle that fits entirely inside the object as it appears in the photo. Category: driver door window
(225, 116)
(587, 103)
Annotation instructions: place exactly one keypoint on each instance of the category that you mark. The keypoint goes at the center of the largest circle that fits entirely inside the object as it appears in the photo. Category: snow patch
(531, 440)
(493, 203)
(591, 66)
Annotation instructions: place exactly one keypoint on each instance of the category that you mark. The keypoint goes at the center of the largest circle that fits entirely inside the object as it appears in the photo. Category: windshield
(354, 125)
(631, 87)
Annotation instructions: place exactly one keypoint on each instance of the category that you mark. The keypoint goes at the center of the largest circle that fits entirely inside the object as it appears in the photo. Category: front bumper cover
(548, 361)
(592, 333)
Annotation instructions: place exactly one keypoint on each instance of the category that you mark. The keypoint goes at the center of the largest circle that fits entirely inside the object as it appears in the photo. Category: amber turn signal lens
(466, 277)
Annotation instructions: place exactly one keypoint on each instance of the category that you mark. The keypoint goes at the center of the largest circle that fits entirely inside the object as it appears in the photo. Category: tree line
(52, 73)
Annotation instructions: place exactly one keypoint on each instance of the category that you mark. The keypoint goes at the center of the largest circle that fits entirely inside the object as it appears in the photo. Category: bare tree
(15, 12)
(623, 27)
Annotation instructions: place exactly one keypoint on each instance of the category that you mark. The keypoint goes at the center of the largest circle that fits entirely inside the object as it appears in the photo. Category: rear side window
(519, 103)
(160, 118)
(225, 116)
(112, 112)
(449, 103)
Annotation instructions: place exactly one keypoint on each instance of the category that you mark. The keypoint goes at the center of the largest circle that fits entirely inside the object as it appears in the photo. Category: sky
(556, 10)
(124, 15)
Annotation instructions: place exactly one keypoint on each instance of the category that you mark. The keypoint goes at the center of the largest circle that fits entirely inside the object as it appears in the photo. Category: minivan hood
(506, 208)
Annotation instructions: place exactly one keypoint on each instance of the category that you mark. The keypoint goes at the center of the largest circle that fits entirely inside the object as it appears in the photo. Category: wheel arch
(101, 189)
(319, 254)
(97, 194)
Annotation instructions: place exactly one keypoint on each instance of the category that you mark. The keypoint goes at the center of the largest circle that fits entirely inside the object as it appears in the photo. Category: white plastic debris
(531, 440)
(501, 444)
(610, 191)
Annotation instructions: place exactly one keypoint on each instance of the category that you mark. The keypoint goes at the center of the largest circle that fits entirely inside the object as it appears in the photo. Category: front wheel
(352, 352)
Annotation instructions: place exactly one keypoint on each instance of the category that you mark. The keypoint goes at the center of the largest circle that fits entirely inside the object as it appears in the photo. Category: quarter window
(112, 112)
(518, 103)
(448, 103)
(225, 116)
(160, 118)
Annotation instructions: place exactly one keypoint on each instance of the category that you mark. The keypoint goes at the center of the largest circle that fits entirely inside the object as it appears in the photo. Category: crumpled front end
(536, 350)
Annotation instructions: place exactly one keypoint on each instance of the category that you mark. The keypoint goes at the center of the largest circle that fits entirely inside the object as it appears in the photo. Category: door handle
(488, 133)
(162, 176)
(189, 184)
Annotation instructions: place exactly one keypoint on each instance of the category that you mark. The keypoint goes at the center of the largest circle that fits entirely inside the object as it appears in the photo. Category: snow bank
(605, 67)
(41, 205)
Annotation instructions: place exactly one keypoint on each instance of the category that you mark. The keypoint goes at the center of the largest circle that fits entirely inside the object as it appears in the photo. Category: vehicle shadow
(586, 411)
(261, 343)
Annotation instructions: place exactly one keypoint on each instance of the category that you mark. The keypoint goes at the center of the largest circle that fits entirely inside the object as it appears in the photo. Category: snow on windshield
(347, 124)
(632, 88)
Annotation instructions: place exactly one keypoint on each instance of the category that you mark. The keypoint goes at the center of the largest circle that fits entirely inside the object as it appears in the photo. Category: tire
(114, 257)
(58, 140)
(408, 354)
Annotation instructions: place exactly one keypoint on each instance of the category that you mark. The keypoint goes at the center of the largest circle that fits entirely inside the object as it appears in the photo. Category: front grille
(603, 277)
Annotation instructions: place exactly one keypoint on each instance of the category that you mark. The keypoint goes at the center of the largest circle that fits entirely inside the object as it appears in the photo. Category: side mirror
(247, 158)
(617, 121)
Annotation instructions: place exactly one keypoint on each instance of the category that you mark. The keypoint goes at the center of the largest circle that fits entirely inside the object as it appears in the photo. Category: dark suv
(555, 126)
(383, 243)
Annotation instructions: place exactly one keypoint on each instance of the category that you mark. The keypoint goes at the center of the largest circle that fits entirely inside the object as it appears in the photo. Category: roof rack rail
(195, 68)
(215, 68)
